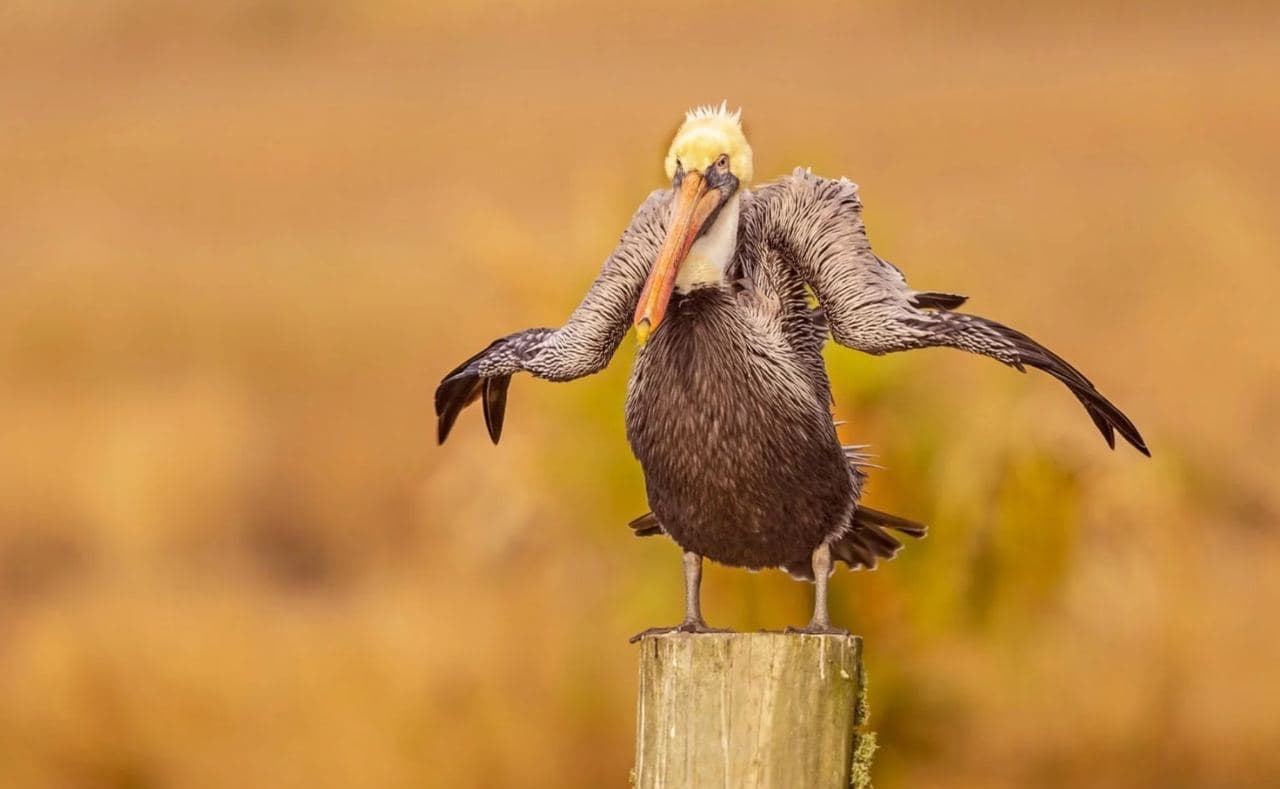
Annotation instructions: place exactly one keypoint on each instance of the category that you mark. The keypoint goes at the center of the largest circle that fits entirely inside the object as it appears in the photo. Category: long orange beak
(693, 205)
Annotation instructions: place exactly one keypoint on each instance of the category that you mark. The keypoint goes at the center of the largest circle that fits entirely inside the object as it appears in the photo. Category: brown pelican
(728, 407)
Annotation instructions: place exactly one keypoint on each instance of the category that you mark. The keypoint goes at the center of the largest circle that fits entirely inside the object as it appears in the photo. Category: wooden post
(751, 710)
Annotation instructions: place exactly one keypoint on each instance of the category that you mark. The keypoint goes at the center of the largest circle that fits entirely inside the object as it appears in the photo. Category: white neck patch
(711, 254)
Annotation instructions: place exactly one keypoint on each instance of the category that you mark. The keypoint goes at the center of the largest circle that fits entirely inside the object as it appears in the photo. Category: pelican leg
(820, 624)
(693, 622)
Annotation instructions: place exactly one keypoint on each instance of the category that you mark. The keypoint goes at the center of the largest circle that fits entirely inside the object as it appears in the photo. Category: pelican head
(709, 161)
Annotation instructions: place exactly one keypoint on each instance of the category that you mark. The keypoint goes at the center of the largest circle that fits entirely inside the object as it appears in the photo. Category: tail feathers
(872, 517)
(646, 525)
(868, 539)
(866, 542)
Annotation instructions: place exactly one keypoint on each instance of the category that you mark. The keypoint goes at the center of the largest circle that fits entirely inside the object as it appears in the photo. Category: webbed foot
(818, 629)
(687, 626)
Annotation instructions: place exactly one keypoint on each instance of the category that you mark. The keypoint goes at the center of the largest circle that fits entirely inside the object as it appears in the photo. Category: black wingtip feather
(938, 301)
(471, 360)
(1108, 418)
(1105, 415)
(454, 394)
(495, 405)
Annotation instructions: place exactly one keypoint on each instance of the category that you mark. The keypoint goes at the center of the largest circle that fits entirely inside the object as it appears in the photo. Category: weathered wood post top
(751, 710)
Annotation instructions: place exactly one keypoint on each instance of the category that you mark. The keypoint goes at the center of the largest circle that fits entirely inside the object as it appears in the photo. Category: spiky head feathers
(706, 133)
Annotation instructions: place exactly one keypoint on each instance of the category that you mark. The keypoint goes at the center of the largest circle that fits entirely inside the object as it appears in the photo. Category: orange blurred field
(240, 243)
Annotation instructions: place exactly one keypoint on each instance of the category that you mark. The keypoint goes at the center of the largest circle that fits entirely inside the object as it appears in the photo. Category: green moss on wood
(864, 748)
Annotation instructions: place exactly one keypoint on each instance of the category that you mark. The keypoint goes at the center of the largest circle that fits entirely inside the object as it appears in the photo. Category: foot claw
(816, 629)
(687, 626)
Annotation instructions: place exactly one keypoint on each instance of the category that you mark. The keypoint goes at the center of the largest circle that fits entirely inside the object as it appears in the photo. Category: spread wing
(582, 346)
(815, 224)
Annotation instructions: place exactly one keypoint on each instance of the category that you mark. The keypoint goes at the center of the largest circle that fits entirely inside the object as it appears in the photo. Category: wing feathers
(1025, 351)
(815, 225)
(582, 346)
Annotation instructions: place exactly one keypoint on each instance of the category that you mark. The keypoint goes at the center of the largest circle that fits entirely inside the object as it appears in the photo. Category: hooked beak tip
(643, 329)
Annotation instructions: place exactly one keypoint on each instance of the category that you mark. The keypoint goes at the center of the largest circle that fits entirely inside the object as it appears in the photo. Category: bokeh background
(240, 242)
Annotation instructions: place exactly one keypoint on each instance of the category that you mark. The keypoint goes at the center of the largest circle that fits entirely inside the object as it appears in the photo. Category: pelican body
(728, 405)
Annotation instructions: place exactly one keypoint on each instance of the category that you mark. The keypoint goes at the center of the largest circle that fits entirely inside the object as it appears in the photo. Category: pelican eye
(723, 161)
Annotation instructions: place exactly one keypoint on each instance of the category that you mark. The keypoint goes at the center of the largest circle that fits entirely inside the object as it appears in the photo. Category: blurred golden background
(240, 242)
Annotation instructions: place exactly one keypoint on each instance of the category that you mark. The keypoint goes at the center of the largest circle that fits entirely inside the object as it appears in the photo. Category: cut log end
(749, 709)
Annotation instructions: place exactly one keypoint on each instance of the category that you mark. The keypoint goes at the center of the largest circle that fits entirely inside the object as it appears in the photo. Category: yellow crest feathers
(707, 132)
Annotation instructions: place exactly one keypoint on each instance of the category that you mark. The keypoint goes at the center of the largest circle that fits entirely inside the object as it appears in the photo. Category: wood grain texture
(748, 710)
